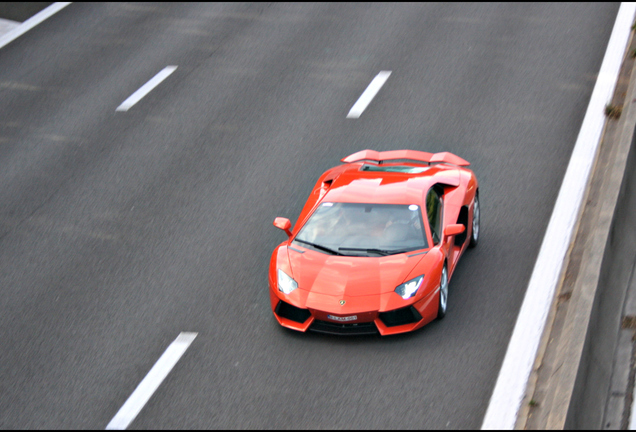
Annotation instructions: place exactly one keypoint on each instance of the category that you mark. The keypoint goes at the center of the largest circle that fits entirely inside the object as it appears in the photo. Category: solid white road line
(151, 382)
(365, 99)
(522, 350)
(146, 88)
(32, 22)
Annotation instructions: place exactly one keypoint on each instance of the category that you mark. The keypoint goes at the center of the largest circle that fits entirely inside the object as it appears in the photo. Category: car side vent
(285, 310)
(462, 219)
(407, 315)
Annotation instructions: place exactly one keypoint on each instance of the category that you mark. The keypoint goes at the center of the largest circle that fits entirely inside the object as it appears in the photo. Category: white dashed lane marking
(7, 25)
(36, 19)
(365, 99)
(151, 382)
(146, 88)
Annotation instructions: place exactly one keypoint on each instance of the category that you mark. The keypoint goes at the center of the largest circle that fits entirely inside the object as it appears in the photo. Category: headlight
(408, 289)
(285, 283)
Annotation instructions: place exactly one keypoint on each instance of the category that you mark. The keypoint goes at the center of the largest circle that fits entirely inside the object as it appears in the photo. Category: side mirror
(285, 225)
(454, 229)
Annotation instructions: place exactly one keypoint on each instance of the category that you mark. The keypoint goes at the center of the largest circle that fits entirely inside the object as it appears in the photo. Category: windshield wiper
(383, 252)
(317, 246)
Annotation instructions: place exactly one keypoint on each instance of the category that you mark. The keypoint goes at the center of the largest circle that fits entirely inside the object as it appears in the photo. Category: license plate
(346, 318)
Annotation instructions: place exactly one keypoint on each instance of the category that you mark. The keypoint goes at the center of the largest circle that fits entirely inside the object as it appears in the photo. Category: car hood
(346, 276)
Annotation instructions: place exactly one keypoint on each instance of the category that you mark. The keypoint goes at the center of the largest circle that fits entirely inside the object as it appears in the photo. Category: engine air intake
(407, 315)
(285, 310)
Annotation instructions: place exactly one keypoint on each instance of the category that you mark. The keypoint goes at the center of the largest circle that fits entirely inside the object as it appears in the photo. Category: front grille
(285, 310)
(407, 315)
(343, 329)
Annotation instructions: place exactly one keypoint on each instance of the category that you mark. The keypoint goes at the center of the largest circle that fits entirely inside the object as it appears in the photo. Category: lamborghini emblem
(342, 302)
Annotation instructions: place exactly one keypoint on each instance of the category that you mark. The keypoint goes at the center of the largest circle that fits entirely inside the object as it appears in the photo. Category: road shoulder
(572, 374)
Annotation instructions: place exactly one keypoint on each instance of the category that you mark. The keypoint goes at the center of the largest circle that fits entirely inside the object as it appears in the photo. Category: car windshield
(364, 229)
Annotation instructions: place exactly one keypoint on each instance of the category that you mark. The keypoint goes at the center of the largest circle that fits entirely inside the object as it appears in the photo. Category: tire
(443, 294)
(474, 236)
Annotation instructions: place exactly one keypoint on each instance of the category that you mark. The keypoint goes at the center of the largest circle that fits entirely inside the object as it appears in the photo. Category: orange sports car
(376, 244)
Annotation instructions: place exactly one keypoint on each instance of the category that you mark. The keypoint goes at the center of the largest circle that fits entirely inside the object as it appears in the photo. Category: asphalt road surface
(119, 230)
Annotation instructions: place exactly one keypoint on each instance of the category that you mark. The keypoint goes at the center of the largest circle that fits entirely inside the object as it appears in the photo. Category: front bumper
(400, 320)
